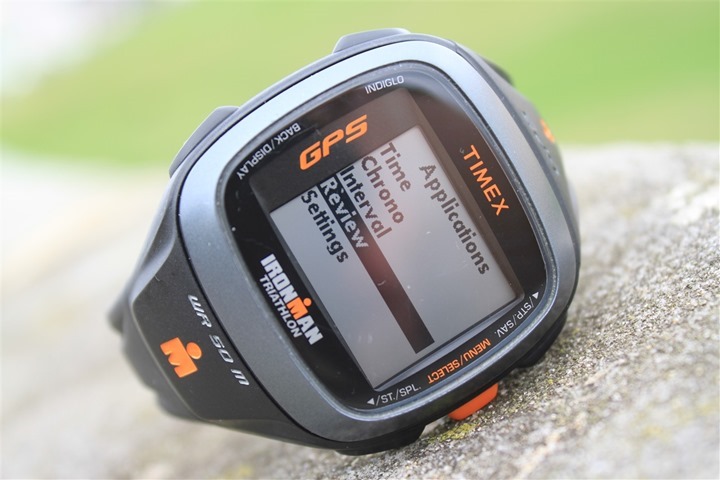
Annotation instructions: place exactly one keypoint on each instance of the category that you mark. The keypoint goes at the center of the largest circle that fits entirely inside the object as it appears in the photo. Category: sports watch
(363, 248)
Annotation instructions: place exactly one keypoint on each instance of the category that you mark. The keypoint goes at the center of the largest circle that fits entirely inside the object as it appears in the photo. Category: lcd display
(396, 259)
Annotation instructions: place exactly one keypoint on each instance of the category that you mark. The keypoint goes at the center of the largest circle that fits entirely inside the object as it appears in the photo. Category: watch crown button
(475, 404)
(353, 39)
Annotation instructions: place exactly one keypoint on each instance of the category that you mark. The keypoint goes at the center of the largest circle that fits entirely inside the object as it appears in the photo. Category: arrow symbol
(535, 295)
(371, 402)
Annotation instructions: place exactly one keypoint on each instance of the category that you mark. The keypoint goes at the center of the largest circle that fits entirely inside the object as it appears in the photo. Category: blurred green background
(598, 71)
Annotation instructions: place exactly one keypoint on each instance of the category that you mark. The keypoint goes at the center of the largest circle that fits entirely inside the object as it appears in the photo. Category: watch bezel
(213, 254)
(427, 100)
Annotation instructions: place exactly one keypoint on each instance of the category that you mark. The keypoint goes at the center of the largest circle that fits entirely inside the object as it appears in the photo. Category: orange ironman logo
(181, 357)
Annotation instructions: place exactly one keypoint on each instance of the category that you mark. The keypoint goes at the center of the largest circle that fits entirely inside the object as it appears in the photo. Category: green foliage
(598, 72)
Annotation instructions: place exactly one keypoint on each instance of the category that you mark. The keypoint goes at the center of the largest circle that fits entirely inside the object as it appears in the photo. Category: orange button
(475, 404)
(546, 130)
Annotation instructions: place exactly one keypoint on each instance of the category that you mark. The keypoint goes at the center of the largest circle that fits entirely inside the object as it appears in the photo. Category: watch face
(384, 232)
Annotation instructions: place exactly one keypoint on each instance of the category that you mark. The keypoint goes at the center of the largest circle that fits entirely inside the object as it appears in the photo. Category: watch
(368, 245)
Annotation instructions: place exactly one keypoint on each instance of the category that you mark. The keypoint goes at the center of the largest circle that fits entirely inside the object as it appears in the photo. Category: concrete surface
(630, 389)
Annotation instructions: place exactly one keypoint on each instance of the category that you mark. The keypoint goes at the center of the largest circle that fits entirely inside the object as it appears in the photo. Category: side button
(475, 404)
(361, 37)
(207, 126)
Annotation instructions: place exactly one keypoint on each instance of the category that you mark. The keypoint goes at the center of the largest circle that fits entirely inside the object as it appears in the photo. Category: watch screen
(385, 236)
(399, 263)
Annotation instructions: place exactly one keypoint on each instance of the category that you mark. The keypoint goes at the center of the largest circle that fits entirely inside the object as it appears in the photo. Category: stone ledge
(630, 389)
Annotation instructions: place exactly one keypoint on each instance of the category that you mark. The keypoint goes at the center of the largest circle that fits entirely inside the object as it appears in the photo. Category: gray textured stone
(630, 389)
